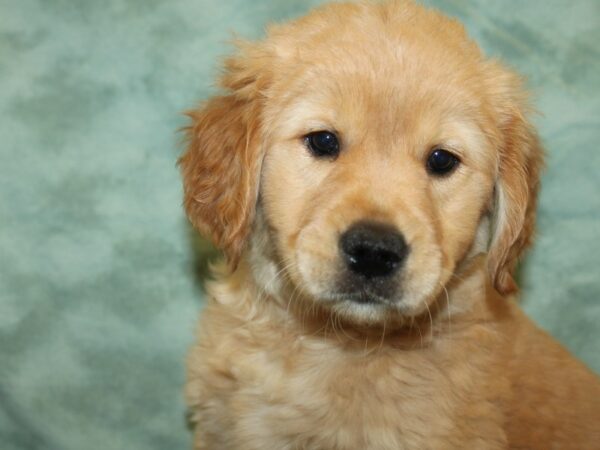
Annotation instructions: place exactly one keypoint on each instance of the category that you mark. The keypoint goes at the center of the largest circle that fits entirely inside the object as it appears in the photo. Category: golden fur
(451, 363)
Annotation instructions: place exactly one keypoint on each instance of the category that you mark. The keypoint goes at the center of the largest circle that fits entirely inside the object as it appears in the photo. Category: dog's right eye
(322, 144)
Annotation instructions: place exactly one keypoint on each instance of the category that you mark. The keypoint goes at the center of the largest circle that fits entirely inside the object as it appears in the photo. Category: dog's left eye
(322, 144)
(441, 162)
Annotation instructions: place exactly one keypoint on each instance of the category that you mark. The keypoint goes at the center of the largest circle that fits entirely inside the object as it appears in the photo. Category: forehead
(363, 104)
(366, 41)
(391, 96)
(377, 71)
(386, 77)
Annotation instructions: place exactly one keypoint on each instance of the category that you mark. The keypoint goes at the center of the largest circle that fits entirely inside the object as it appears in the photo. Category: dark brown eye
(441, 162)
(322, 144)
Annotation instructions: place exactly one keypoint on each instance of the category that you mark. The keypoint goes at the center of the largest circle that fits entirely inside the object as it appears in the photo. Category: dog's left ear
(521, 159)
(222, 163)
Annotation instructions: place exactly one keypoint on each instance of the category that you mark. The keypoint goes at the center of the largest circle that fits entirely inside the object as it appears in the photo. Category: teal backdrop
(100, 275)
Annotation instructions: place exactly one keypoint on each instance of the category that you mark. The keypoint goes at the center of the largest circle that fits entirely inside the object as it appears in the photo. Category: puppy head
(380, 143)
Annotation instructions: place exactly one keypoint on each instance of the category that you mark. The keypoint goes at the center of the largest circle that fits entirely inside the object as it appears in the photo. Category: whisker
(419, 330)
(448, 311)
(382, 337)
(430, 320)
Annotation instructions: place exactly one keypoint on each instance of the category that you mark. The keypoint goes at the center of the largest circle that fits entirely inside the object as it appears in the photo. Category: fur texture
(447, 360)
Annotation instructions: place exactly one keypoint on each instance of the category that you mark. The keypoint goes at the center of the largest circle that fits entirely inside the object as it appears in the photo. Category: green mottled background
(99, 285)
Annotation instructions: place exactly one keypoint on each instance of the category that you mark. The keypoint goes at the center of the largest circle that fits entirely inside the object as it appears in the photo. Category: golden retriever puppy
(372, 179)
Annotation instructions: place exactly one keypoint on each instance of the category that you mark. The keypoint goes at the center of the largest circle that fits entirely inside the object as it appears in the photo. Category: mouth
(362, 297)
(365, 307)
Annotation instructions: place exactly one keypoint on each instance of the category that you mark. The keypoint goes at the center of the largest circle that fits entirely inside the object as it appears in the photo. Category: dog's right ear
(222, 163)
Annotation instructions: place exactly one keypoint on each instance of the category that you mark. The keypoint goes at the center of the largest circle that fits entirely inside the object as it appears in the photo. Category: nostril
(372, 249)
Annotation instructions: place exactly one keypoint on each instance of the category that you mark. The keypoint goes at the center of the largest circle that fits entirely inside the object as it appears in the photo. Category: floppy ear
(520, 163)
(221, 166)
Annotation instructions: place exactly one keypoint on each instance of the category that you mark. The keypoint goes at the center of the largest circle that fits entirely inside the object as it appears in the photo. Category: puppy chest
(327, 399)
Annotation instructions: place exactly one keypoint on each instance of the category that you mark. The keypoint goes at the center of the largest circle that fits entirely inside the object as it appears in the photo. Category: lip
(362, 297)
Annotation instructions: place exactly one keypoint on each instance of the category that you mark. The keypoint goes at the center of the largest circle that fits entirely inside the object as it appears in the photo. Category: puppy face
(379, 142)
(370, 226)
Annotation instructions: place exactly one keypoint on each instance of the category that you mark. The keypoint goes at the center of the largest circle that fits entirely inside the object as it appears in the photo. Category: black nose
(373, 249)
